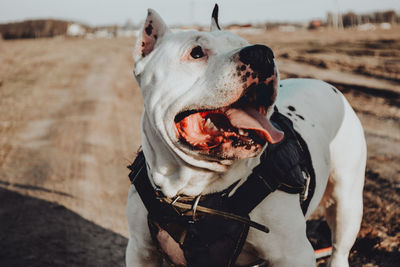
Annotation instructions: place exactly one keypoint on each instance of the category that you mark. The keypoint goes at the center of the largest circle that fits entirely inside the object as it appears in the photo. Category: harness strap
(251, 193)
(139, 179)
(227, 215)
(281, 168)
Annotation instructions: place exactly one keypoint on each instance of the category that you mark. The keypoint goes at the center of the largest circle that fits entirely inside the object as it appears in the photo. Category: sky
(104, 12)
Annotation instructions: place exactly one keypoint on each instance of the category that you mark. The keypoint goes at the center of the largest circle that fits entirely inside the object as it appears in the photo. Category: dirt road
(69, 125)
(70, 111)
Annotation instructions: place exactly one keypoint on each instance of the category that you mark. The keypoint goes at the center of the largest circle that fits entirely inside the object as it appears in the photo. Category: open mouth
(236, 131)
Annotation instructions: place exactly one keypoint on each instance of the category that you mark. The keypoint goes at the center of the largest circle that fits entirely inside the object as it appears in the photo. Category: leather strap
(188, 211)
(153, 199)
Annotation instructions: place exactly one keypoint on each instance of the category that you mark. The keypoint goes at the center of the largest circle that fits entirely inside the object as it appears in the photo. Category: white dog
(208, 102)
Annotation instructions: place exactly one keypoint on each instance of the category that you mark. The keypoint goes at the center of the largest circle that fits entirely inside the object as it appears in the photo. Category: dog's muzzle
(260, 58)
(239, 129)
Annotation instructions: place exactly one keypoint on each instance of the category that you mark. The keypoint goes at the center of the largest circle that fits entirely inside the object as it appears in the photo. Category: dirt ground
(69, 125)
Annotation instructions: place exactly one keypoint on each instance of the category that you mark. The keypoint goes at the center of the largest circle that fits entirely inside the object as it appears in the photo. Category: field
(69, 125)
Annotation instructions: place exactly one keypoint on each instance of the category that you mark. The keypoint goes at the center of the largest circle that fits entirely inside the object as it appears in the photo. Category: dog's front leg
(140, 251)
(286, 245)
(141, 256)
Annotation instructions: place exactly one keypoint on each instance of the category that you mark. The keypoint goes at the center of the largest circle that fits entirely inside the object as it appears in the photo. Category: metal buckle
(158, 191)
(304, 194)
(194, 207)
(175, 200)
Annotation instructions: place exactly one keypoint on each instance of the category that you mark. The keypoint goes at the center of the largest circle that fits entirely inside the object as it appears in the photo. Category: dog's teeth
(208, 122)
(210, 125)
(241, 132)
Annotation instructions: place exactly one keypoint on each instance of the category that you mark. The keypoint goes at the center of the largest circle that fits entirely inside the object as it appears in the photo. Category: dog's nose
(260, 58)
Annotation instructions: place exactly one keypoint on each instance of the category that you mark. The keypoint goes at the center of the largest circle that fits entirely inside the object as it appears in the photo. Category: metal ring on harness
(194, 208)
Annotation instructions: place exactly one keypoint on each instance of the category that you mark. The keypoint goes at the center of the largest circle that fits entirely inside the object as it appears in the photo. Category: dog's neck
(174, 176)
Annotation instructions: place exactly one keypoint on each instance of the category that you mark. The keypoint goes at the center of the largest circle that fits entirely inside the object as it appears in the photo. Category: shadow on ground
(34, 232)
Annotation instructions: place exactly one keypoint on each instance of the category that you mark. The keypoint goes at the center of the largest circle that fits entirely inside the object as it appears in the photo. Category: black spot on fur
(149, 29)
(243, 67)
(289, 114)
(254, 75)
(291, 108)
(247, 74)
(143, 44)
(155, 36)
(280, 85)
(244, 79)
(301, 117)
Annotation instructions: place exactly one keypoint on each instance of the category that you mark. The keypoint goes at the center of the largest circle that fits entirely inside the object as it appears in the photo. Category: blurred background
(70, 113)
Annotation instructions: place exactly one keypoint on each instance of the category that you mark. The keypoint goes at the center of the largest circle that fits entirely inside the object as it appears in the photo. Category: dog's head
(208, 95)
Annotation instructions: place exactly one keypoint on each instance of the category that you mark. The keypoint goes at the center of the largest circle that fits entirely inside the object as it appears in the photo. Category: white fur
(330, 128)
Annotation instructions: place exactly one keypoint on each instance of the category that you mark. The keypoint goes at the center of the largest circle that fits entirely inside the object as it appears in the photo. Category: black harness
(210, 230)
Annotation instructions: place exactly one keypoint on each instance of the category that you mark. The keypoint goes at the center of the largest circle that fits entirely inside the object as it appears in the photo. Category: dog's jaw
(175, 172)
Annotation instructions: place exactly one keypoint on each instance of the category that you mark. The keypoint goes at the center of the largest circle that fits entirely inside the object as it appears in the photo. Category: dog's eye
(197, 52)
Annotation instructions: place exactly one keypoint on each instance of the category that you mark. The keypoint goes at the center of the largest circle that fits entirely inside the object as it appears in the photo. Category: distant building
(366, 27)
(75, 30)
(245, 29)
(287, 28)
(362, 21)
(315, 24)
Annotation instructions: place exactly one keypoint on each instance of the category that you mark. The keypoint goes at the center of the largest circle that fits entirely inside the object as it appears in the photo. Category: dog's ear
(214, 20)
(153, 30)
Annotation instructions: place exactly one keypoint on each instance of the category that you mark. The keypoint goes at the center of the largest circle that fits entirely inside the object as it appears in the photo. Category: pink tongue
(251, 119)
